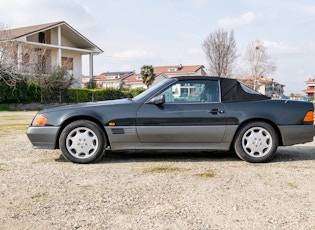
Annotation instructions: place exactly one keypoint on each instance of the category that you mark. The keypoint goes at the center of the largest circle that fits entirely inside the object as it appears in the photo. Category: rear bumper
(297, 134)
(42, 137)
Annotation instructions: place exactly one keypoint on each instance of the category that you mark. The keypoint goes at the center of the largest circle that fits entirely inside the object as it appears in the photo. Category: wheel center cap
(82, 143)
(257, 142)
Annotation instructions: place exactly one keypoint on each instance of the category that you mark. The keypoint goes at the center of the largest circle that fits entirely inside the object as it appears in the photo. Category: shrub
(78, 95)
(4, 107)
(27, 92)
(106, 94)
(21, 92)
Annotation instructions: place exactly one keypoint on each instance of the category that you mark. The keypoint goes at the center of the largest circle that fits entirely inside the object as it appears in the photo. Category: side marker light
(112, 124)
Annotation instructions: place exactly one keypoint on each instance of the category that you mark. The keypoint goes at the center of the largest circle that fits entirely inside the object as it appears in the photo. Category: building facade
(310, 88)
(132, 80)
(40, 49)
(164, 72)
(266, 86)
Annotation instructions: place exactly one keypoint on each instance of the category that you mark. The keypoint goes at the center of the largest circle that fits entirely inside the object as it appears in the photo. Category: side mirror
(158, 100)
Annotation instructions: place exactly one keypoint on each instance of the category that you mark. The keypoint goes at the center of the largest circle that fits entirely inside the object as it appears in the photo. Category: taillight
(39, 120)
(309, 116)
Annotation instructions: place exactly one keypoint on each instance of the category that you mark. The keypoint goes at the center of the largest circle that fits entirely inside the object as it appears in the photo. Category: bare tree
(54, 84)
(220, 50)
(7, 71)
(18, 58)
(260, 63)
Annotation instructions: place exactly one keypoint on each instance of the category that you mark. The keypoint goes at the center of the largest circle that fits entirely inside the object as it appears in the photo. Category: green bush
(22, 92)
(4, 107)
(105, 94)
(110, 94)
(78, 95)
(135, 92)
(27, 92)
(84, 95)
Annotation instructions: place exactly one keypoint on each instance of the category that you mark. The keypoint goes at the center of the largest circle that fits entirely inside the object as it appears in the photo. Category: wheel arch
(274, 125)
(76, 118)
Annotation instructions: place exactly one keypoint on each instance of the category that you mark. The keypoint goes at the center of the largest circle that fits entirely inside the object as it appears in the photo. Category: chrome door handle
(215, 111)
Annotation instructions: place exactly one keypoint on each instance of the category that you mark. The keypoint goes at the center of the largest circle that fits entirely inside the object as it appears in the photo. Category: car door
(190, 112)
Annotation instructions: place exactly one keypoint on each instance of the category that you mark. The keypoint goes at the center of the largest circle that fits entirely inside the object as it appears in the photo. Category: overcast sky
(133, 33)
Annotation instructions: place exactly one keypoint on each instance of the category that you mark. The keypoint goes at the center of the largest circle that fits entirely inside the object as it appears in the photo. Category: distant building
(266, 86)
(298, 97)
(131, 80)
(163, 72)
(108, 79)
(125, 79)
(310, 87)
(179, 70)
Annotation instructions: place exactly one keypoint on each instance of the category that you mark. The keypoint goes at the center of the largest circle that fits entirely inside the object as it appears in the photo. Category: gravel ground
(140, 190)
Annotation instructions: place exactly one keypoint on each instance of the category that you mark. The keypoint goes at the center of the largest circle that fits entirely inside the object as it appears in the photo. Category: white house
(60, 44)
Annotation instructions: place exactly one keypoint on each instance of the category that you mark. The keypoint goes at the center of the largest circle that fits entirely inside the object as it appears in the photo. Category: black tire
(82, 142)
(256, 142)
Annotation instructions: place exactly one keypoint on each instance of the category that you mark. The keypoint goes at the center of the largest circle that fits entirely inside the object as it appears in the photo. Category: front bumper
(43, 137)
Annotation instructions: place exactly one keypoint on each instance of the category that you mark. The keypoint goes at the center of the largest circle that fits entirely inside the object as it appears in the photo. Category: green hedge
(78, 95)
(85, 95)
(25, 92)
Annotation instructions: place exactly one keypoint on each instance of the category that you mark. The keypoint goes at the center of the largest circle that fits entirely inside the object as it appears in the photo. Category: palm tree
(147, 73)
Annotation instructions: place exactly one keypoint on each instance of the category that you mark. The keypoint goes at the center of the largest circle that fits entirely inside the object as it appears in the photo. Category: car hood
(89, 104)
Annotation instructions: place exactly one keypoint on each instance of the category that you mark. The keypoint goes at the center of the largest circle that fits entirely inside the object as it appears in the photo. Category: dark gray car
(181, 113)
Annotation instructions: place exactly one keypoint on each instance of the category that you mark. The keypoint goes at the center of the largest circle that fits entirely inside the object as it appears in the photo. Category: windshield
(151, 89)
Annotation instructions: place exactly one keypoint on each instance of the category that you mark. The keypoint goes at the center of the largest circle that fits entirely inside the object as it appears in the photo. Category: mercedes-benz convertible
(180, 113)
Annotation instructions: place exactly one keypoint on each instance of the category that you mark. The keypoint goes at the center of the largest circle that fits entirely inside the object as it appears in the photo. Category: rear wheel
(256, 142)
(82, 141)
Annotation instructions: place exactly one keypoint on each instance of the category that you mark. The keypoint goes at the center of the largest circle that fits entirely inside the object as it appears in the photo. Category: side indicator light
(309, 116)
(39, 120)
(112, 124)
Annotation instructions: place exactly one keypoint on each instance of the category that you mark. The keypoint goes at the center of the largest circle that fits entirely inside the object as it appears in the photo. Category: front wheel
(256, 142)
(82, 141)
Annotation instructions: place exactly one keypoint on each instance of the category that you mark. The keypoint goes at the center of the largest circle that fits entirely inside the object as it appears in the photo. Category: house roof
(117, 73)
(310, 80)
(112, 76)
(311, 90)
(66, 30)
(135, 77)
(28, 30)
(177, 69)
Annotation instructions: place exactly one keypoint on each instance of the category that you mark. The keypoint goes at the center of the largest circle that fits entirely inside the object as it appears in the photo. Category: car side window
(210, 92)
(192, 92)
